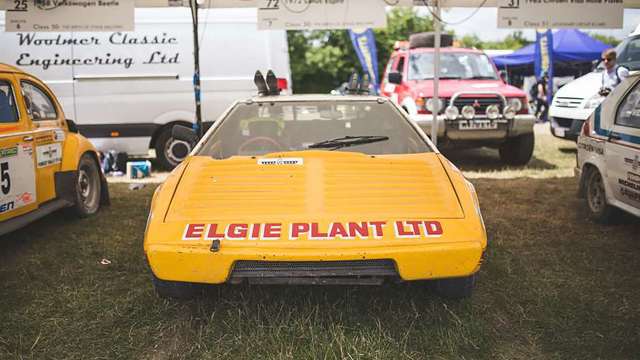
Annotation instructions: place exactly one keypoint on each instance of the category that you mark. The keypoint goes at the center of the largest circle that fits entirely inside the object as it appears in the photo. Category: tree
(607, 39)
(322, 60)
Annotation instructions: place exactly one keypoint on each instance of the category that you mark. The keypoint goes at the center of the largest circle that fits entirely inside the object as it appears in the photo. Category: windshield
(629, 53)
(460, 65)
(259, 128)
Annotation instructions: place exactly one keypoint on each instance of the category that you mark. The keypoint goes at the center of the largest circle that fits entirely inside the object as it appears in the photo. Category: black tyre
(88, 187)
(175, 289)
(599, 209)
(517, 151)
(456, 288)
(169, 151)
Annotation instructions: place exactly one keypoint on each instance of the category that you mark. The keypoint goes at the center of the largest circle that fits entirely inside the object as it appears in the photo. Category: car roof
(10, 69)
(317, 97)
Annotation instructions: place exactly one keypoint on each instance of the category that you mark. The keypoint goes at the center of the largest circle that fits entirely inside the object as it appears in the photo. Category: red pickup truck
(476, 108)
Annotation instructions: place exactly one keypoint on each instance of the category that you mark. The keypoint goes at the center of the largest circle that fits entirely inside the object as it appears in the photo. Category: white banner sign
(560, 14)
(316, 14)
(65, 15)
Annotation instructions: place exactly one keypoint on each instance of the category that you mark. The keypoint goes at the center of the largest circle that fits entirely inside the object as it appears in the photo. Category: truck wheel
(517, 151)
(169, 151)
(456, 288)
(88, 187)
(175, 289)
(596, 198)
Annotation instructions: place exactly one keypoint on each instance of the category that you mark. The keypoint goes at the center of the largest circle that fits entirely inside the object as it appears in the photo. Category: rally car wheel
(175, 289)
(169, 151)
(517, 151)
(456, 288)
(596, 198)
(88, 187)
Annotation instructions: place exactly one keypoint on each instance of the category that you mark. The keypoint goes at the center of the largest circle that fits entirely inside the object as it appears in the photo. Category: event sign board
(316, 14)
(598, 14)
(62, 15)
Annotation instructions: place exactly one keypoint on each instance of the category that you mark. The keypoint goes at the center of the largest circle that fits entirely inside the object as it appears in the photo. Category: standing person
(613, 74)
(540, 98)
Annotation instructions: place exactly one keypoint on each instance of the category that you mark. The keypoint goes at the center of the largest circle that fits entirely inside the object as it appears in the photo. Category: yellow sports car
(45, 164)
(314, 189)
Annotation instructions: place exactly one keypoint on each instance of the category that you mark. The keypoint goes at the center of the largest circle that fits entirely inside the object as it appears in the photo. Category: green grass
(555, 286)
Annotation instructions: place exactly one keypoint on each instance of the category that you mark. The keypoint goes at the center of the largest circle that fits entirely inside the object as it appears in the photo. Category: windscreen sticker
(281, 161)
(407, 229)
(49, 154)
(17, 177)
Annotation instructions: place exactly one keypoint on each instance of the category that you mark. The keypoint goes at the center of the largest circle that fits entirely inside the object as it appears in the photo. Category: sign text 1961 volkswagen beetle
(45, 164)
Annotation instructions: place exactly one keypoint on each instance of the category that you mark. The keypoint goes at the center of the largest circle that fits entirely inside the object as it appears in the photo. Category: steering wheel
(259, 139)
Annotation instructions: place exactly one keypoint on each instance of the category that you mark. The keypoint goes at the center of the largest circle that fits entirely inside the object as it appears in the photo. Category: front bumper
(450, 129)
(566, 128)
(197, 264)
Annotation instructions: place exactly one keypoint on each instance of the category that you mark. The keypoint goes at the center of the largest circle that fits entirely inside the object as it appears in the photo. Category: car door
(48, 127)
(622, 150)
(18, 193)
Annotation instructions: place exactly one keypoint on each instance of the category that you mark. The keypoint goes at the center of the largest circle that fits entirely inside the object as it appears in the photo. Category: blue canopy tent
(573, 53)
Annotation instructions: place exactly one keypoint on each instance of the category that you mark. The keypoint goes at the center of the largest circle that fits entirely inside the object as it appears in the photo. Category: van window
(629, 53)
(39, 104)
(629, 110)
(8, 110)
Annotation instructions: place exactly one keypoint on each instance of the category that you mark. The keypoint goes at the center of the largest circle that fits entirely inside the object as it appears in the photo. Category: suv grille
(313, 272)
(482, 103)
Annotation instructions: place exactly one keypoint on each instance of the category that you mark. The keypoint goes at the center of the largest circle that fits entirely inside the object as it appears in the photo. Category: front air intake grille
(479, 104)
(313, 272)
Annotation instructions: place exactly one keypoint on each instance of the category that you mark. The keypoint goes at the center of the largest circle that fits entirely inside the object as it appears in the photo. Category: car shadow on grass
(486, 159)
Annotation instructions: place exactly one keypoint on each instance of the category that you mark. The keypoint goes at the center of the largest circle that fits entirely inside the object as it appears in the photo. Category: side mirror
(395, 77)
(504, 76)
(184, 133)
(71, 125)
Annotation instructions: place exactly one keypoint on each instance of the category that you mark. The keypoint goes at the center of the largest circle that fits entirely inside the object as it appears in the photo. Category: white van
(574, 102)
(125, 90)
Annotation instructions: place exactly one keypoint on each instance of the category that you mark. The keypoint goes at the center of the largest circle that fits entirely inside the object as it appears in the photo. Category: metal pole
(196, 72)
(436, 74)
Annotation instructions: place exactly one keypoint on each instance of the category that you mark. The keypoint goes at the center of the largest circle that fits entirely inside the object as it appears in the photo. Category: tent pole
(436, 74)
(196, 62)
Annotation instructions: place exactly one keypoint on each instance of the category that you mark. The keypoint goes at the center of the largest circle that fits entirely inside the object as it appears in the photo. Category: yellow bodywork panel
(416, 210)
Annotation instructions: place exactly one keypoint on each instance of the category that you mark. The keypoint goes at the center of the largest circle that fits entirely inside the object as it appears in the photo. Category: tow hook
(215, 246)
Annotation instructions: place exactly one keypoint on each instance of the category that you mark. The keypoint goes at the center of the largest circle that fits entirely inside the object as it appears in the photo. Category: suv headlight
(515, 104)
(431, 102)
(593, 101)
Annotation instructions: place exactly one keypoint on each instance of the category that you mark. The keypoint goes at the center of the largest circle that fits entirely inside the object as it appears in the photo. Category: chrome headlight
(515, 103)
(509, 112)
(594, 101)
(493, 112)
(431, 104)
(452, 112)
(468, 112)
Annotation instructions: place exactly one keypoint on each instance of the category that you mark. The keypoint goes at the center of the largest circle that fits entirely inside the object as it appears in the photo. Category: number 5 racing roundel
(17, 177)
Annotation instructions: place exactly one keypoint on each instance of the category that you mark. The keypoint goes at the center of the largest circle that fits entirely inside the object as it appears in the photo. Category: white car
(573, 103)
(609, 154)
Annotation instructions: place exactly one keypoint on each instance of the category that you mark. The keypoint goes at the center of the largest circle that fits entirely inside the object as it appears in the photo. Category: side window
(390, 66)
(8, 109)
(39, 104)
(629, 111)
(400, 66)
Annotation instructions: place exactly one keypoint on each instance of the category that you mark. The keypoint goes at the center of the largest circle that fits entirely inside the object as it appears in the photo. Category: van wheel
(169, 151)
(456, 288)
(175, 289)
(517, 151)
(88, 187)
(596, 198)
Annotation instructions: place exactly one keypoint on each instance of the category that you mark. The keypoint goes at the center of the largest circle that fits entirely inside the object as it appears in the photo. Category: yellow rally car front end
(314, 217)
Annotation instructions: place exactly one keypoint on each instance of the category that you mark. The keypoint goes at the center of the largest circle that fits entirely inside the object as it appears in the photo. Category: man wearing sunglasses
(613, 74)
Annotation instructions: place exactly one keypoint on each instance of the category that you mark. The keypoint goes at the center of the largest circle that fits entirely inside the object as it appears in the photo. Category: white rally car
(608, 161)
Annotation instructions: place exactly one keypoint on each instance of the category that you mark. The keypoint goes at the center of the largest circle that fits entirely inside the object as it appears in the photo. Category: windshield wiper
(347, 141)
